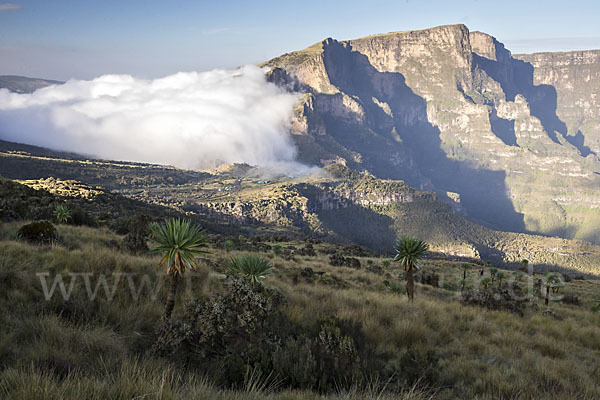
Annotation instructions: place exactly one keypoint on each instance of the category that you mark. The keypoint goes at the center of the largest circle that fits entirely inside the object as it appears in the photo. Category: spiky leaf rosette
(250, 266)
(410, 250)
(62, 214)
(178, 241)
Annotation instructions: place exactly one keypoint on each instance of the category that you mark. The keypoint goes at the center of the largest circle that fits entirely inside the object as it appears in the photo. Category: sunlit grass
(99, 349)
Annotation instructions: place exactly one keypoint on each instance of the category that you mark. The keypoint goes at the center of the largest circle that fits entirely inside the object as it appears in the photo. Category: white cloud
(190, 120)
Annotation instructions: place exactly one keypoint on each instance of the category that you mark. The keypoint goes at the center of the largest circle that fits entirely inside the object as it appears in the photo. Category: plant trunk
(410, 284)
(171, 297)
(547, 295)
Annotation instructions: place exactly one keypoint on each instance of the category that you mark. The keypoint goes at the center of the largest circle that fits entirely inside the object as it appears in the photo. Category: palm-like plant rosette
(410, 250)
(179, 241)
(62, 214)
(250, 266)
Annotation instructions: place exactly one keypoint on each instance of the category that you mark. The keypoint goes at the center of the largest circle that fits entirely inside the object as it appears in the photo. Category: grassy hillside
(436, 346)
(339, 205)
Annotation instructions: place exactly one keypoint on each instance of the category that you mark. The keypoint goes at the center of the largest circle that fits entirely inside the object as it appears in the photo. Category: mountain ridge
(376, 103)
(23, 84)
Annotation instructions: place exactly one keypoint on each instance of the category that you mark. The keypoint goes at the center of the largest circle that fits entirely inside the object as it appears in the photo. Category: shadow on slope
(402, 144)
(516, 77)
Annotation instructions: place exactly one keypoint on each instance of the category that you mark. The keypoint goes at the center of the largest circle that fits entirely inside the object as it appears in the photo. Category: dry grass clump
(78, 348)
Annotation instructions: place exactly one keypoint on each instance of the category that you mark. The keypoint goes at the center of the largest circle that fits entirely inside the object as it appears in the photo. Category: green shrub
(41, 232)
(136, 239)
(338, 260)
(497, 298)
(233, 329)
(229, 245)
(428, 278)
(450, 286)
(418, 366)
(396, 287)
(338, 356)
(242, 330)
(297, 363)
(596, 306)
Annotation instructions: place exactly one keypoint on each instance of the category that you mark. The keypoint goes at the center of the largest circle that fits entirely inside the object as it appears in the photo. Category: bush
(244, 329)
(418, 366)
(41, 232)
(296, 362)
(337, 260)
(571, 299)
(81, 217)
(277, 249)
(395, 287)
(450, 286)
(326, 362)
(497, 299)
(307, 250)
(428, 278)
(137, 237)
(237, 323)
(229, 245)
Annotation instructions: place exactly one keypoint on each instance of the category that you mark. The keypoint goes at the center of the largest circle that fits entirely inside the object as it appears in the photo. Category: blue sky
(61, 39)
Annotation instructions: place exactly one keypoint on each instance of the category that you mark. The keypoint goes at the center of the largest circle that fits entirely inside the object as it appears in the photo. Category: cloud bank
(189, 120)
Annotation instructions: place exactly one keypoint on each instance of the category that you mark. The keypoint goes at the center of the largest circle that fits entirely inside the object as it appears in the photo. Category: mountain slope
(338, 205)
(22, 84)
(447, 110)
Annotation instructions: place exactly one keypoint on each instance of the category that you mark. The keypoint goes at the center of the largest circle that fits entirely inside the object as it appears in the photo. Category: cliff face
(445, 109)
(575, 76)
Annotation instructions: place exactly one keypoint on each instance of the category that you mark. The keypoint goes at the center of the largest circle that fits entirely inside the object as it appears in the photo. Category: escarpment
(453, 111)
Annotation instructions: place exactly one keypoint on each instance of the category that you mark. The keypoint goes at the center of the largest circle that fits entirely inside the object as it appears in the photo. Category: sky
(64, 39)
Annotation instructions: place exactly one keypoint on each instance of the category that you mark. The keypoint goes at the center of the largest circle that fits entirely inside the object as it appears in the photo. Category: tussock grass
(98, 349)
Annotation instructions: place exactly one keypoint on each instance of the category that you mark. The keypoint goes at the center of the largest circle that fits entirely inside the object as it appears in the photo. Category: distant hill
(22, 84)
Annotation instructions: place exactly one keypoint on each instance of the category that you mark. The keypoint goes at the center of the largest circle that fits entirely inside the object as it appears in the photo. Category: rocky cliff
(355, 207)
(445, 109)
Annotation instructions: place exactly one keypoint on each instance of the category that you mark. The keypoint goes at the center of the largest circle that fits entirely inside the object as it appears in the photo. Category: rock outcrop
(445, 109)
